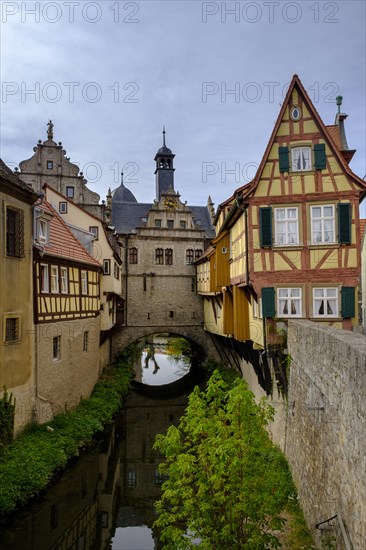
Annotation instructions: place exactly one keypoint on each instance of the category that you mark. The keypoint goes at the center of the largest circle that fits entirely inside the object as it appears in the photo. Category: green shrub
(30, 462)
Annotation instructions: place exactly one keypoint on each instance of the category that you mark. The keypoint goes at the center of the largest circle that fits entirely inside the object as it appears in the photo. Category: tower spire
(122, 177)
(164, 136)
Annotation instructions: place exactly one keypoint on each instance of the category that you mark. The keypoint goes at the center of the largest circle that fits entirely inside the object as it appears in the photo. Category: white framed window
(106, 267)
(301, 159)
(289, 302)
(64, 280)
(42, 231)
(255, 309)
(70, 191)
(84, 282)
(54, 279)
(286, 226)
(325, 302)
(56, 348)
(322, 224)
(116, 270)
(44, 278)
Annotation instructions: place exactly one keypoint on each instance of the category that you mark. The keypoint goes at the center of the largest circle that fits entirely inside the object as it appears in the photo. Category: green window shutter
(344, 223)
(348, 301)
(283, 155)
(265, 222)
(268, 302)
(320, 159)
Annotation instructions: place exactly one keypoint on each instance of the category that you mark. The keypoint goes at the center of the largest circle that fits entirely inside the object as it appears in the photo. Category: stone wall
(62, 383)
(326, 428)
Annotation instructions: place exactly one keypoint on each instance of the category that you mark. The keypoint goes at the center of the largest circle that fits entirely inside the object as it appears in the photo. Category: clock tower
(164, 172)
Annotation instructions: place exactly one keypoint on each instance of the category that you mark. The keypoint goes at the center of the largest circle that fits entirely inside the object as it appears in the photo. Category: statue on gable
(50, 130)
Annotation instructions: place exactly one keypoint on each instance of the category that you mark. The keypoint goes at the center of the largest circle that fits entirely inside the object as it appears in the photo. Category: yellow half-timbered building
(288, 243)
(66, 314)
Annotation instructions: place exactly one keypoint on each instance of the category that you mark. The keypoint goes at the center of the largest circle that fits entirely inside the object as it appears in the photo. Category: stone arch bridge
(124, 336)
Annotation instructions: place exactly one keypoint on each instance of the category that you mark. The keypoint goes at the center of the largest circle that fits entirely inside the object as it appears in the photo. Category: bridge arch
(124, 336)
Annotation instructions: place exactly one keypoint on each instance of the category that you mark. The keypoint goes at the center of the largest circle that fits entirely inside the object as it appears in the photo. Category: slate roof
(127, 216)
(62, 243)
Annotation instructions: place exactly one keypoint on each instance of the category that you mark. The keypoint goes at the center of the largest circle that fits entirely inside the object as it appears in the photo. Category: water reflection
(162, 359)
(106, 499)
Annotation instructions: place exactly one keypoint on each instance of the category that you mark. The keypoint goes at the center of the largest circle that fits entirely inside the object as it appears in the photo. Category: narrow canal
(105, 499)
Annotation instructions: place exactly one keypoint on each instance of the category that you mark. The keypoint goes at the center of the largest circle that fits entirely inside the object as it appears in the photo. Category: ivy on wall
(7, 412)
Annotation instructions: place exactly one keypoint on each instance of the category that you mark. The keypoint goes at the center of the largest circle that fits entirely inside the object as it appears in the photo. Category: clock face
(170, 203)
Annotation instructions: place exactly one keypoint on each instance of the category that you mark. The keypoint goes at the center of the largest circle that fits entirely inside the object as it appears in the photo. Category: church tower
(164, 172)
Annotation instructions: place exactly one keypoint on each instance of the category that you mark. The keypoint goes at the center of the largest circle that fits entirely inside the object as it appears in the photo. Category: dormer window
(49, 165)
(70, 191)
(301, 159)
(42, 231)
(42, 227)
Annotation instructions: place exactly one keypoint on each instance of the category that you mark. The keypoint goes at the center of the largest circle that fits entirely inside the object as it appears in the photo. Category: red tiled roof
(62, 243)
(333, 131)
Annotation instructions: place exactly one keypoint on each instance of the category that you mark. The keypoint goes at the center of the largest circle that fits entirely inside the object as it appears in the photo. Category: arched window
(133, 257)
(189, 256)
(197, 253)
(159, 256)
(168, 256)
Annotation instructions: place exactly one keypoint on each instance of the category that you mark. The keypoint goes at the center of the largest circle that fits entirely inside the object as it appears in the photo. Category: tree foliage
(227, 483)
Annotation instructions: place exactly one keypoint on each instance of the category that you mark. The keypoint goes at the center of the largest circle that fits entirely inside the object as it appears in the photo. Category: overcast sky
(109, 74)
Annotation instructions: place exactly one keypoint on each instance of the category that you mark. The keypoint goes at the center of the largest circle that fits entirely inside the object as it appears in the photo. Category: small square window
(56, 348)
(116, 270)
(70, 192)
(171, 314)
(106, 267)
(170, 224)
(49, 165)
(182, 224)
(157, 223)
(12, 329)
(62, 207)
(95, 230)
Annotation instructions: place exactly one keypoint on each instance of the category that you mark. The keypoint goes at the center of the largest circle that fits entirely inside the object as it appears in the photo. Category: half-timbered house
(100, 241)
(66, 313)
(288, 243)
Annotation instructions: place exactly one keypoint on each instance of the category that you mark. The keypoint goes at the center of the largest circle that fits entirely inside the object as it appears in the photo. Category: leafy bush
(226, 482)
(31, 461)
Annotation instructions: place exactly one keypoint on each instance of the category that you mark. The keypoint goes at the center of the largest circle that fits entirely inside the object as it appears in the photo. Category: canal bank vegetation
(227, 484)
(29, 463)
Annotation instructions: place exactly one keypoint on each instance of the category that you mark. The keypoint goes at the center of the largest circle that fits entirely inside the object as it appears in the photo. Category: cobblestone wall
(326, 428)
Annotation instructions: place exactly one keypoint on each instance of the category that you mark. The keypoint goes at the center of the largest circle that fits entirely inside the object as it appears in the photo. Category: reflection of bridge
(195, 334)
